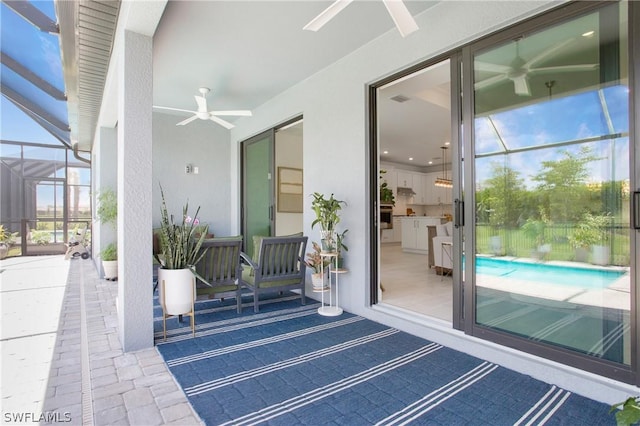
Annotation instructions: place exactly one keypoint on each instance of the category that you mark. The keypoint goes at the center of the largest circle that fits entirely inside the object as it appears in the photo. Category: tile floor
(408, 283)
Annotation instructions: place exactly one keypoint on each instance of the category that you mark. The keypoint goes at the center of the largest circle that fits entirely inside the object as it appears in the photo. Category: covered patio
(78, 372)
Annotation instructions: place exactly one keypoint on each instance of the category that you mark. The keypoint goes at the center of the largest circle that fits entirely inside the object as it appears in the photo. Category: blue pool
(592, 278)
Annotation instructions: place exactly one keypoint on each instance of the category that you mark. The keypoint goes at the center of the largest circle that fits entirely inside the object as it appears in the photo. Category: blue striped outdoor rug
(288, 365)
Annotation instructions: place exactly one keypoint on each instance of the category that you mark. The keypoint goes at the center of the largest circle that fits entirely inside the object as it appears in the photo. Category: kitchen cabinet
(415, 233)
(397, 229)
(437, 194)
(390, 178)
(405, 179)
(387, 236)
(418, 188)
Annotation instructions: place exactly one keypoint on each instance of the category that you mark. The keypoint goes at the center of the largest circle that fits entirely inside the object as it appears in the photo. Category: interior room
(414, 127)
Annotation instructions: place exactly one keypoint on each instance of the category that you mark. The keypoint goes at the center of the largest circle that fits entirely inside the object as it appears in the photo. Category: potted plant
(109, 256)
(340, 247)
(583, 238)
(6, 240)
(535, 229)
(107, 213)
(600, 250)
(386, 193)
(178, 256)
(627, 412)
(316, 262)
(327, 217)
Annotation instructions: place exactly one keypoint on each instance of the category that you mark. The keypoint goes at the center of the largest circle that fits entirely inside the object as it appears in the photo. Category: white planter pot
(600, 255)
(177, 290)
(4, 250)
(318, 282)
(110, 268)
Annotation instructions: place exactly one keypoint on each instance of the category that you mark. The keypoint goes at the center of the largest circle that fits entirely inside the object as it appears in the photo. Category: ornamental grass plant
(181, 241)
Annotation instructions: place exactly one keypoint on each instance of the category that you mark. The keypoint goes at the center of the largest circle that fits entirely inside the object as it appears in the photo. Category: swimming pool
(591, 278)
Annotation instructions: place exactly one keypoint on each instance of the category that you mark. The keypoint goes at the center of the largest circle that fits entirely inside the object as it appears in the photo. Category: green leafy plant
(386, 193)
(7, 237)
(109, 253)
(180, 245)
(340, 241)
(591, 230)
(629, 412)
(326, 211)
(107, 211)
(40, 237)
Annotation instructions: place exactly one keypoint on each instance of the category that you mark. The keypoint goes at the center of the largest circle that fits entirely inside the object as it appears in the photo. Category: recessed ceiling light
(588, 33)
(447, 143)
(410, 158)
(430, 162)
(385, 152)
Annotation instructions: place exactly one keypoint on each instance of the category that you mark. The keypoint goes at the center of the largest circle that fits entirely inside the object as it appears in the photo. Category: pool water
(591, 278)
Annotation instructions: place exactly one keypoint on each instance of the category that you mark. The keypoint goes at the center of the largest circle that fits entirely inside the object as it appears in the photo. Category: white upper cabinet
(405, 179)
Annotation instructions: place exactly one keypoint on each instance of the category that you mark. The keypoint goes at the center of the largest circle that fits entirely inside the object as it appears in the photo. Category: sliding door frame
(610, 369)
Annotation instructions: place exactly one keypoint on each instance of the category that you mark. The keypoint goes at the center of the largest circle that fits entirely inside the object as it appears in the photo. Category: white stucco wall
(334, 105)
(204, 145)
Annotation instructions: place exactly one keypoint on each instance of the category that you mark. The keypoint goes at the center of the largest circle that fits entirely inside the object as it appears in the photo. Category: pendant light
(443, 181)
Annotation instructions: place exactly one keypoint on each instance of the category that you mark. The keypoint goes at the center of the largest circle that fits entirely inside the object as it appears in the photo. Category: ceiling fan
(519, 70)
(396, 8)
(203, 114)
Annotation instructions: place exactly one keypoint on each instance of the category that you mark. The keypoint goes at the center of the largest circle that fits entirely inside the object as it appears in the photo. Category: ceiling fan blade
(187, 121)
(521, 86)
(174, 109)
(326, 15)
(566, 68)
(202, 103)
(221, 122)
(489, 67)
(401, 16)
(548, 52)
(238, 113)
(490, 81)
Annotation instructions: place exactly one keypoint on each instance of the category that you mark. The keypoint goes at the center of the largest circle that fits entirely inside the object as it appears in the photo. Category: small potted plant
(341, 247)
(600, 250)
(326, 210)
(583, 238)
(178, 256)
(109, 256)
(316, 262)
(107, 213)
(6, 240)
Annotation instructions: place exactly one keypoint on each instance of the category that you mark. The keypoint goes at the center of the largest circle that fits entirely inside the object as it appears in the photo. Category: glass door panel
(552, 190)
(257, 188)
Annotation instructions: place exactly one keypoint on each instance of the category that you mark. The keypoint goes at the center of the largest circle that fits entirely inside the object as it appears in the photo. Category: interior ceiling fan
(203, 114)
(397, 9)
(519, 70)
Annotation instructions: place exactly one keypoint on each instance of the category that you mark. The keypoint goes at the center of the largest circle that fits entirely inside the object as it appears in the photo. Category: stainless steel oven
(386, 216)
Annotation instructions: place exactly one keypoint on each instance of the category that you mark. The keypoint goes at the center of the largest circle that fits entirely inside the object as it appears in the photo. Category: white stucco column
(135, 97)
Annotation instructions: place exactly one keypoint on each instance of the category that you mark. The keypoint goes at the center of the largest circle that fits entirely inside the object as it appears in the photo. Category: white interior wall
(204, 145)
(288, 147)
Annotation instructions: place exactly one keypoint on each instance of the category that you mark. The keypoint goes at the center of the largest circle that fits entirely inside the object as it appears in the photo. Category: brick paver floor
(61, 357)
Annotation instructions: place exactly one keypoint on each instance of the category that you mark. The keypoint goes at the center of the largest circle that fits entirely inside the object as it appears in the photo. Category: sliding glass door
(257, 188)
(552, 252)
